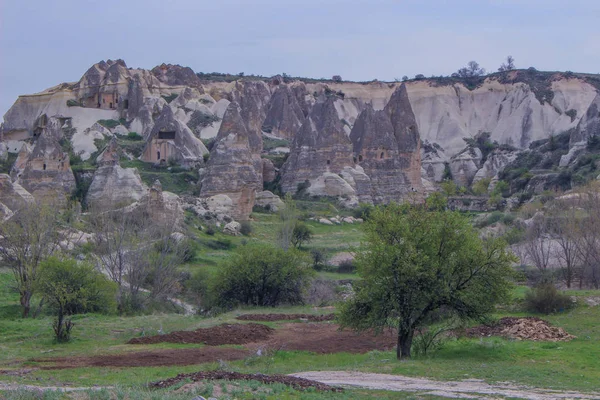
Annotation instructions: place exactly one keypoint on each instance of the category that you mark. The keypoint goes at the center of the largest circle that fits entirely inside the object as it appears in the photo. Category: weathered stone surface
(171, 139)
(13, 195)
(111, 154)
(465, 165)
(496, 161)
(576, 149)
(233, 228)
(162, 207)
(114, 187)
(47, 173)
(433, 162)
(176, 75)
(284, 115)
(83, 142)
(220, 204)
(589, 125)
(5, 212)
(386, 145)
(320, 146)
(269, 201)
(231, 168)
(325, 221)
(252, 97)
(269, 172)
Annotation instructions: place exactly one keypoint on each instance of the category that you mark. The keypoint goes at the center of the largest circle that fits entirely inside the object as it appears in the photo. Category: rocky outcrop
(495, 162)
(433, 162)
(176, 75)
(172, 140)
(269, 201)
(13, 195)
(231, 168)
(162, 207)
(589, 125)
(386, 160)
(252, 98)
(114, 187)
(320, 147)
(47, 173)
(284, 113)
(465, 165)
(269, 172)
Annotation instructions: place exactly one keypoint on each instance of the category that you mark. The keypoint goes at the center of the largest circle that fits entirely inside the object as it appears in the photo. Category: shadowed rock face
(320, 146)
(589, 125)
(284, 114)
(253, 98)
(231, 168)
(172, 139)
(13, 195)
(386, 145)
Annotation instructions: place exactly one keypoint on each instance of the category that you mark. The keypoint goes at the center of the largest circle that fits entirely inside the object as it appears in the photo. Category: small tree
(27, 239)
(288, 216)
(71, 288)
(263, 275)
(471, 70)
(336, 78)
(509, 65)
(301, 234)
(416, 263)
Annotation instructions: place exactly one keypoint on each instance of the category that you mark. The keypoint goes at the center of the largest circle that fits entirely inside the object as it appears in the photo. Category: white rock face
(330, 184)
(83, 142)
(13, 195)
(464, 166)
(573, 152)
(114, 186)
(220, 204)
(325, 221)
(495, 162)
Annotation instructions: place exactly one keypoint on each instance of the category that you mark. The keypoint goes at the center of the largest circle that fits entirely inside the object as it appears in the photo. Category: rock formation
(112, 186)
(13, 195)
(47, 173)
(589, 125)
(284, 114)
(269, 201)
(231, 167)
(320, 146)
(172, 140)
(465, 165)
(162, 207)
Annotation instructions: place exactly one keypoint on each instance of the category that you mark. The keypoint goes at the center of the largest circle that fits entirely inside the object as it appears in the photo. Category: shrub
(318, 258)
(546, 299)
(210, 230)
(246, 228)
(73, 103)
(363, 211)
(346, 267)
(109, 123)
(301, 234)
(134, 136)
(263, 275)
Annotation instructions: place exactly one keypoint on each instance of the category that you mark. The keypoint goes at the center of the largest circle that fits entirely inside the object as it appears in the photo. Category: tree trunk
(405, 337)
(26, 302)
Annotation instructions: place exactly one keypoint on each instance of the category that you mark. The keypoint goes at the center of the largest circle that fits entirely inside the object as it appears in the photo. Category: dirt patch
(527, 328)
(325, 339)
(214, 336)
(156, 358)
(292, 381)
(285, 317)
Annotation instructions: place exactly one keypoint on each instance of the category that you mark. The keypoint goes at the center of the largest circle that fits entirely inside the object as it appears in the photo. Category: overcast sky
(43, 42)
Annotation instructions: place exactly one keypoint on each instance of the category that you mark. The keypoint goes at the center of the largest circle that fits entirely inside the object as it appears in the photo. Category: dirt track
(471, 388)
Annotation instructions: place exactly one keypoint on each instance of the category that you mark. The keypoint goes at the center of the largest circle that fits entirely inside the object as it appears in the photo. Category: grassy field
(567, 366)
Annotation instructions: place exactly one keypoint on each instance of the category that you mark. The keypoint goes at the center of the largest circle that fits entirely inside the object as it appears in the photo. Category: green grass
(175, 180)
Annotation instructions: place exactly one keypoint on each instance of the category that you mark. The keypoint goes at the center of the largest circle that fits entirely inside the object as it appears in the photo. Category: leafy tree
(301, 234)
(263, 275)
(509, 65)
(336, 78)
(416, 263)
(404, 78)
(71, 288)
(480, 188)
(27, 239)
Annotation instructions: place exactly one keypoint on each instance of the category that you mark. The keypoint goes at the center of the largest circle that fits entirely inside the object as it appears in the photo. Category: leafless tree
(288, 216)
(589, 235)
(537, 245)
(509, 65)
(29, 237)
(564, 225)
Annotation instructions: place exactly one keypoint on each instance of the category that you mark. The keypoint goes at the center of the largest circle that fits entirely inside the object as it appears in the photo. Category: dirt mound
(527, 328)
(296, 383)
(214, 336)
(284, 317)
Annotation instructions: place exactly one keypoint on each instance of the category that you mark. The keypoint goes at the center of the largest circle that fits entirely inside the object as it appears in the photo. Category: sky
(47, 42)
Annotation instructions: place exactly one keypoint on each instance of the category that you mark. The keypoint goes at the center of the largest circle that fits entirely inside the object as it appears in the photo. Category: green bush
(134, 136)
(73, 103)
(170, 97)
(109, 123)
(263, 275)
(301, 234)
(546, 299)
(246, 228)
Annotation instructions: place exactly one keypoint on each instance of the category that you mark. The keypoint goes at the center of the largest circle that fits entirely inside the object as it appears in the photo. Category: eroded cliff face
(337, 131)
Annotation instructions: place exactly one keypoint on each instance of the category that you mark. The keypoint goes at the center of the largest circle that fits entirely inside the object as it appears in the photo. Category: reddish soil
(296, 383)
(285, 317)
(156, 358)
(313, 337)
(215, 336)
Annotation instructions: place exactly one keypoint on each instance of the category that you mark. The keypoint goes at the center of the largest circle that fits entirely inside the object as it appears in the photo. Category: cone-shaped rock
(231, 168)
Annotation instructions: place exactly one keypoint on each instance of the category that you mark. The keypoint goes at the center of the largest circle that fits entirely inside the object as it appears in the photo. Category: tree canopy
(417, 262)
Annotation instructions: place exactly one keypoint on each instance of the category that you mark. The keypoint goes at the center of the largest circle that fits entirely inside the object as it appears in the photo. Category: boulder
(269, 201)
(233, 228)
(115, 187)
(325, 221)
(269, 172)
(164, 208)
(465, 165)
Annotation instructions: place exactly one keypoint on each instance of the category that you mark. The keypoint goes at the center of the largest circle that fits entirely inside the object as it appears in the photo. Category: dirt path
(469, 388)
